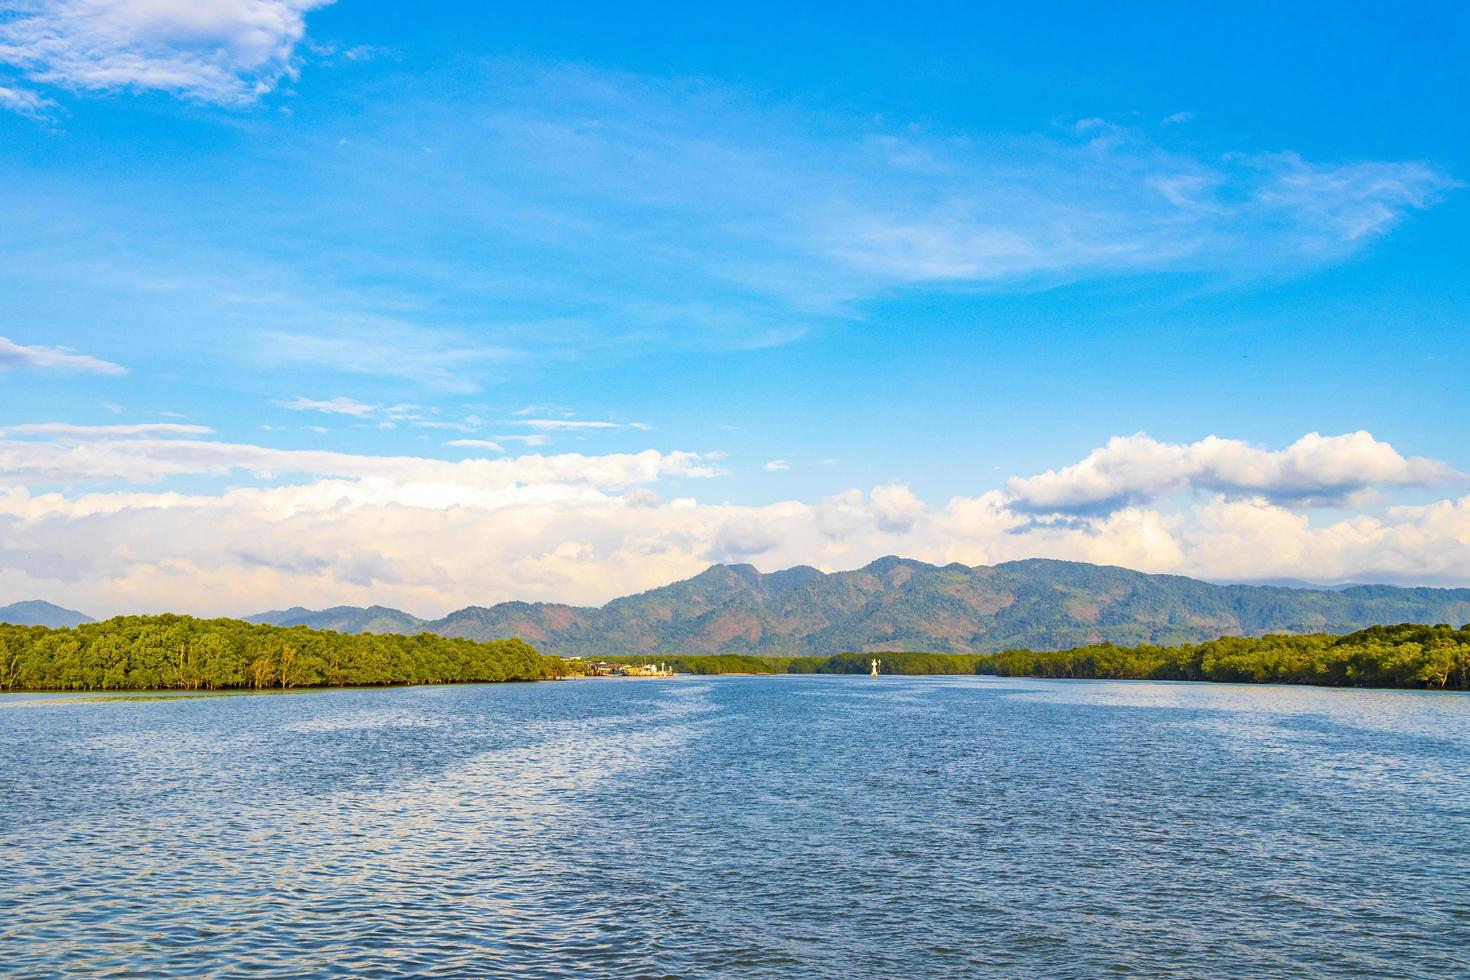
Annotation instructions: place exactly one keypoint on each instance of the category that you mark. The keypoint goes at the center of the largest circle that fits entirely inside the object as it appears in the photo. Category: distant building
(601, 668)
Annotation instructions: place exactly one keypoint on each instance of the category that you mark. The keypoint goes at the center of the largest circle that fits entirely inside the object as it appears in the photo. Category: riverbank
(181, 653)
(1406, 656)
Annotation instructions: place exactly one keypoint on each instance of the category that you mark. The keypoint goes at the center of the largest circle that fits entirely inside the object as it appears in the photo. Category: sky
(313, 303)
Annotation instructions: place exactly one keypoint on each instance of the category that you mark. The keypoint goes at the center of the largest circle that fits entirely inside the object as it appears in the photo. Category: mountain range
(892, 603)
(897, 603)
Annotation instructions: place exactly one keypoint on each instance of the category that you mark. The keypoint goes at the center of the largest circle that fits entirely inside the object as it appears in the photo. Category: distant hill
(344, 619)
(900, 604)
(34, 612)
(1296, 583)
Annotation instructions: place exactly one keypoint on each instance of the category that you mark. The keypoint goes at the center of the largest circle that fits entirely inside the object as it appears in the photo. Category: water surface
(757, 826)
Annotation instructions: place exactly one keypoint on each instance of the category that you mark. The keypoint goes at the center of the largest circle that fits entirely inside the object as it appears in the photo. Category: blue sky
(920, 255)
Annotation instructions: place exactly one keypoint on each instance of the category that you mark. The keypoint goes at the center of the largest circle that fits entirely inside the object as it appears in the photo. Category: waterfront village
(601, 668)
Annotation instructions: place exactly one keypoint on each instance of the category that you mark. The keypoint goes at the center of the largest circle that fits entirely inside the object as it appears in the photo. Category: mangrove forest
(1403, 656)
(184, 653)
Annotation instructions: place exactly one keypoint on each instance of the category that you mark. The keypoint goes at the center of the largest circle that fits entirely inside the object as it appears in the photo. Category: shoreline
(99, 696)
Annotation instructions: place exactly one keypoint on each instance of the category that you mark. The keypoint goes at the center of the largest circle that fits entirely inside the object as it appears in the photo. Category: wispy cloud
(81, 454)
(425, 355)
(1333, 208)
(13, 355)
(224, 51)
(597, 215)
(25, 102)
(70, 431)
(776, 465)
(747, 198)
(341, 405)
(571, 425)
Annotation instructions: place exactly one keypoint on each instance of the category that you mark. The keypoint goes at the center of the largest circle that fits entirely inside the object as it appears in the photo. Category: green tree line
(184, 653)
(1407, 655)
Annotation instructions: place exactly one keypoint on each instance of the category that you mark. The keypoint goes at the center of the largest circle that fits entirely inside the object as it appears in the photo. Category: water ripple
(819, 826)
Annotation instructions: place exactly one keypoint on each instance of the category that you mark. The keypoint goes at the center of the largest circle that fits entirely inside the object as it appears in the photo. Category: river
(739, 826)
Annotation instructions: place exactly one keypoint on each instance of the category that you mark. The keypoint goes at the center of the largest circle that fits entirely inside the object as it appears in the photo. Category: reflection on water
(755, 826)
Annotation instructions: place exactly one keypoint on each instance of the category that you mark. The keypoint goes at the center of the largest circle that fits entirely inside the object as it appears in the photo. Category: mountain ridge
(894, 603)
(38, 612)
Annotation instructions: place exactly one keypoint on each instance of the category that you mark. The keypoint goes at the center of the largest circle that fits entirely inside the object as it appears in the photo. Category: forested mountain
(34, 612)
(897, 603)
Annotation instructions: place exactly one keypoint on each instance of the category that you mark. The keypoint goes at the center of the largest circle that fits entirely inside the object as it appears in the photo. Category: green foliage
(1380, 656)
(184, 653)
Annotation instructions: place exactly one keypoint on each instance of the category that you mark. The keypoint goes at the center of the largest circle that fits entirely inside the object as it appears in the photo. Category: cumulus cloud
(432, 535)
(13, 355)
(896, 509)
(1315, 470)
(223, 51)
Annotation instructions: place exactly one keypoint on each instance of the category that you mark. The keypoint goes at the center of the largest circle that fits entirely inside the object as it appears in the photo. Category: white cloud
(442, 424)
(373, 346)
(494, 447)
(1115, 206)
(98, 454)
(1252, 539)
(557, 425)
(896, 509)
(223, 51)
(1333, 208)
(686, 216)
(13, 355)
(67, 431)
(25, 102)
(331, 406)
(363, 529)
(776, 465)
(1315, 470)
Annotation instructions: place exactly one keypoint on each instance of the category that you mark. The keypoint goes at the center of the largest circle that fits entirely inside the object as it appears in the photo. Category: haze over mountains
(896, 603)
